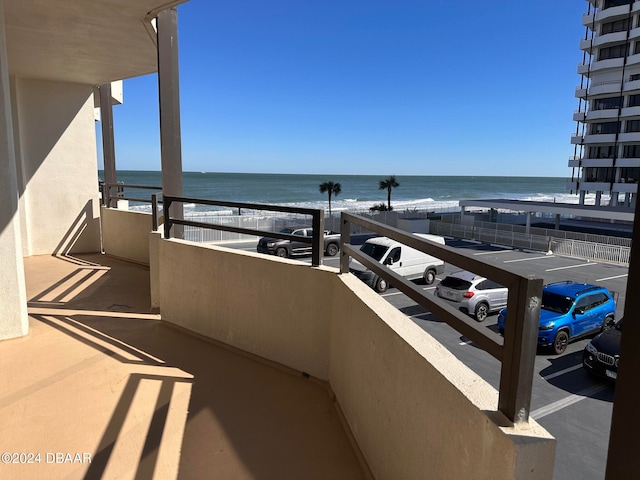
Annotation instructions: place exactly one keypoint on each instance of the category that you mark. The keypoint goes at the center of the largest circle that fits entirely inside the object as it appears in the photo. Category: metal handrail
(317, 222)
(516, 351)
(107, 197)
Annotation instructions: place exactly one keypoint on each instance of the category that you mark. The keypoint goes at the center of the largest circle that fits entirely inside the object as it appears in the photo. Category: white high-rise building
(606, 160)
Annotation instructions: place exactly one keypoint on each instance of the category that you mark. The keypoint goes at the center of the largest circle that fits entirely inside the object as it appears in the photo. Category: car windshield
(455, 283)
(373, 250)
(556, 303)
(286, 230)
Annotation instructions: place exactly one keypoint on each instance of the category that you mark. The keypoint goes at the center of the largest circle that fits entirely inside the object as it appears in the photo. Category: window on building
(634, 101)
(603, 151)
(632, 126)
(616, 3)
(629, 175)
(631, 151)
(617, 26)
(607, 103)
(616, 51)
(635, 76)
(598, 174)
(604, 128)
(636, 48)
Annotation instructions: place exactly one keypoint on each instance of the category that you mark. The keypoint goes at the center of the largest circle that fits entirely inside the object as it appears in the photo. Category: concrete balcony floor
(100, 376)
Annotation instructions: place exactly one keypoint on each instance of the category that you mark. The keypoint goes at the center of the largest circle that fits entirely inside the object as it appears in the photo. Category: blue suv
(570, 310)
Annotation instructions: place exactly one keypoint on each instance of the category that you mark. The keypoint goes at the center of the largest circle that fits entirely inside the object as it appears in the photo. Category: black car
(602, 354)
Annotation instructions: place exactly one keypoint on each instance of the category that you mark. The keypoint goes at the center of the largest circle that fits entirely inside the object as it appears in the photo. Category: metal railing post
(345, 238)
(166, 202)
(154, 211)
(317, 247)
(520, 345)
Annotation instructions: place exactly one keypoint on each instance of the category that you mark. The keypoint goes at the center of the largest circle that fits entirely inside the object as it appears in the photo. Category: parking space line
(391, 294)
(527, 259)
(562, 372)
(567, 401)
(571, 266)
(494, 251)
(611, 278)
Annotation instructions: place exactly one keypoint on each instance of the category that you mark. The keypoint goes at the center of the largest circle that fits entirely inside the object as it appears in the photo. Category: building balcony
(633, 59)
(630, 162)
(587, 19)
(606, 87)
(586, 44)
(579, 116)
(608, 113)
(598, 138)
(217, 385)
(597, 162)
(577, 139)
(594, 186)
(623, 187)
(610, 63)
(610, 14)
(629, 137)
(575, 162)
(583, 68)
(630, 86)
(143, 399)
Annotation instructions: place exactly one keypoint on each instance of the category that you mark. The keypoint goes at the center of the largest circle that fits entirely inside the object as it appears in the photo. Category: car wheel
(429, 276)
(482, 311)
(282, 252)
(560, 342)
(381, 285)
(608, 323)
(332, 250)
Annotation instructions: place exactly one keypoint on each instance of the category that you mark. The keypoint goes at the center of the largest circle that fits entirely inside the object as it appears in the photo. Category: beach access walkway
(102, 388)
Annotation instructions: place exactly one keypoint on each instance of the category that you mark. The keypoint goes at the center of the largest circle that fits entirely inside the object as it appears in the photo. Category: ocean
(359, 192)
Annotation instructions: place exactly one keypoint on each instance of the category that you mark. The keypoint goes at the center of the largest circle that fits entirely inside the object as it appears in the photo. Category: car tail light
(468, 294)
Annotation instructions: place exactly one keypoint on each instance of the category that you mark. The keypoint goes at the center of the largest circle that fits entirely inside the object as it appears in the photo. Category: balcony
(611, 14)
(597, 138)
(605, 113)
(144, 399)
(228, 383)
(579, 116)
(586, 44)
(577, 139)
(629, 137)
(609, 63)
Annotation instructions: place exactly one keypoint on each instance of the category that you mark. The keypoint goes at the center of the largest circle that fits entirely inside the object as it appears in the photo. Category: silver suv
(477, 295)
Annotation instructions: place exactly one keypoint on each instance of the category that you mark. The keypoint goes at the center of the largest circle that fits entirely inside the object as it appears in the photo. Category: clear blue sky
(404, 87)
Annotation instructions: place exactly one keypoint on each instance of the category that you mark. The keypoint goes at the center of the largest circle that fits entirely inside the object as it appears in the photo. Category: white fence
(608, 252)
(583, 245)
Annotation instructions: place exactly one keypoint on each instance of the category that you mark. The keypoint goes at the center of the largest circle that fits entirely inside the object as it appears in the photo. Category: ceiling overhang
(80, 41)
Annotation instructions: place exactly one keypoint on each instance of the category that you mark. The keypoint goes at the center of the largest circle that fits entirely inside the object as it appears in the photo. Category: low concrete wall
(278, 310)
(125, 234)
(413, 408)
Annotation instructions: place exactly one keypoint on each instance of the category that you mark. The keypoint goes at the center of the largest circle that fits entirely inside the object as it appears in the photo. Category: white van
(403, 260)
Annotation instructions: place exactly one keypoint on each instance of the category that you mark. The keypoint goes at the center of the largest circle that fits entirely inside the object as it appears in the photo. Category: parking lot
(572, 405)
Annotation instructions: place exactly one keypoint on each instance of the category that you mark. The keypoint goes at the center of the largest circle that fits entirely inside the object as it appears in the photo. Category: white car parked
(478, 295)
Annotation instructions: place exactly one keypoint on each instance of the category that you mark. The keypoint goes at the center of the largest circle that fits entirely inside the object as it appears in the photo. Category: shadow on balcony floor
(100, 376)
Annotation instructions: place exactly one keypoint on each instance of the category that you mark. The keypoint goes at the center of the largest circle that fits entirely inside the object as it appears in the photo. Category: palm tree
(388, 184)
(331, 188)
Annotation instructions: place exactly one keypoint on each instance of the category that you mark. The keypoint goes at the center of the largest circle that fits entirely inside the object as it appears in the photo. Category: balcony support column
(622, 462)
(13, 297)
(169, 92)
(108, 144)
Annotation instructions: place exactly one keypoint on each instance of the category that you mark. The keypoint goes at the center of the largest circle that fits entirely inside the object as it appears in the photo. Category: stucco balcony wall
(414, 410)
(125, 234)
